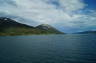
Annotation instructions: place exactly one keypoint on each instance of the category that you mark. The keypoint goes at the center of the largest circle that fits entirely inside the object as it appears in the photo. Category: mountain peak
(48, 28)
(4, 19)
(45, 26)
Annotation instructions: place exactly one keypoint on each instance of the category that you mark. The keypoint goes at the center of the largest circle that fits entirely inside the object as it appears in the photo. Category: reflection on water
(74, 48)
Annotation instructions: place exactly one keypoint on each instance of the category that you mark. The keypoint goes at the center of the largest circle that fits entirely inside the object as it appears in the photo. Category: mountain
(87, 32)
(48, 28)
(11, 27)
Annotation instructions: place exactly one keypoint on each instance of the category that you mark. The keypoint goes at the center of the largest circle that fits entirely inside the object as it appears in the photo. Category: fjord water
(71, 48)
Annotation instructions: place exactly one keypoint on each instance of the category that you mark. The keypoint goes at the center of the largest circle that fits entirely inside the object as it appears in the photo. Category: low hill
(87, 32)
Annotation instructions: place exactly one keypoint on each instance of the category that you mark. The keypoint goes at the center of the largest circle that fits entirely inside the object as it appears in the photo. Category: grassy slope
(25, 31)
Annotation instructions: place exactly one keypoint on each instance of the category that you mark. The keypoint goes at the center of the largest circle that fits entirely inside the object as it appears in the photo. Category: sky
(66, 15)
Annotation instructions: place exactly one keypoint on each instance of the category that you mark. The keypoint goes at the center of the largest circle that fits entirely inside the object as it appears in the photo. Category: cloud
(72, 5)
(52, 12)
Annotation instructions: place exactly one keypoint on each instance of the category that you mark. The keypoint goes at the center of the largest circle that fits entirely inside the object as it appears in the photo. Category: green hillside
(11, 27)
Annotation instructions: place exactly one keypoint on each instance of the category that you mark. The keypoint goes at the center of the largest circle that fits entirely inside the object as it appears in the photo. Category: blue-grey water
(71, 48)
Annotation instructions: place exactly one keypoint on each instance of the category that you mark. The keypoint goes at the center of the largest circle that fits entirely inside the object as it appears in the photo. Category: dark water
(73, 48)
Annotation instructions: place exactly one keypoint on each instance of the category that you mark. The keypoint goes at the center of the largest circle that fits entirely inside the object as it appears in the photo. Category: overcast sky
(65, 15)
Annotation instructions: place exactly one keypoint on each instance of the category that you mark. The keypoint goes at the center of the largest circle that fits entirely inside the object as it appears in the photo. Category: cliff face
(11, 27)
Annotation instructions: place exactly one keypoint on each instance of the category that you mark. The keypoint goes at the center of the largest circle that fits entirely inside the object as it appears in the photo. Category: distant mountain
(11, 27)
(87, 32)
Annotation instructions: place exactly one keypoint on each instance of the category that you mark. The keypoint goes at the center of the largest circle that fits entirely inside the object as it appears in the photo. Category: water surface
(71, 48)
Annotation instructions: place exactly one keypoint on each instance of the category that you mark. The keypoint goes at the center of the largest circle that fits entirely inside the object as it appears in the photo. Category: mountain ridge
(11, 27)
(87, 32)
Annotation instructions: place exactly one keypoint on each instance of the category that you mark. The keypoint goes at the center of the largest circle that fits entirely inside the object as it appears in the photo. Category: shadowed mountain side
(11, 27)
